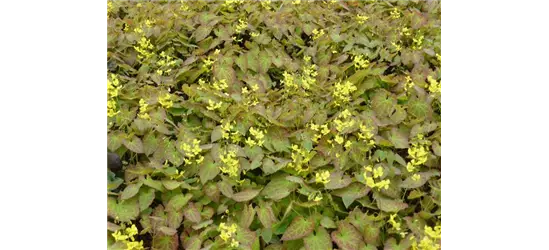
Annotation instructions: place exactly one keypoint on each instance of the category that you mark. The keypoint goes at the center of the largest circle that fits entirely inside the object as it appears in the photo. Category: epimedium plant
(274, 124)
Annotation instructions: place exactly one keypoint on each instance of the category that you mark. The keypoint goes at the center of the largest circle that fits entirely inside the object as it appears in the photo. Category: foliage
(275, 124)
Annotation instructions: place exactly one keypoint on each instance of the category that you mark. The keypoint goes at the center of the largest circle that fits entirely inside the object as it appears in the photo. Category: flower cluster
(429, 241)
(227, 233)
(320, 129)
(365, 133)
(258, 135)
(434, 86)
(113, 86)
(300, 158)
(394, 224)
(192, 151)
(126, 236)
(417, 42)
(405, 31)
(418, 152)
(166, 101)
(143, 109)
(323, 177)
(360, 62)
(395, 13)
(144, 49)
(213, 105)
(361, 19)
(289, 81)
(308, 77)
(266, 4)
(343, 121)
(241, 26)
(370, 174)
(230, 163)
(317, 33)
(165, 64)
(342, 92)
(397, 46)
(250, 100)
(409, 84)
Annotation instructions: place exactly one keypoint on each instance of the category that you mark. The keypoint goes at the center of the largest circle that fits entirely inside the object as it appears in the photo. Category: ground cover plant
(274, 125)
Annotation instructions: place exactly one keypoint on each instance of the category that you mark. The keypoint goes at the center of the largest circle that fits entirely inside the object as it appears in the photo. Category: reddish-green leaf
(299, 228)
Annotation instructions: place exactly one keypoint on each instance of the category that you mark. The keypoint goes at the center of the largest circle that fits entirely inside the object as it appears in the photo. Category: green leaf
(217, 133)
(278, 188)
(154, 184)
(134, 144)
(225, 188)
(146, 197)
(130, 191)
(253, 60)
(245, 195)
(191, 213)
(338, 180)
(327, 222)
(347, 237)
(352, 192)
(319, 240)
(224, 70)
(178, 201)
(269, 167)
(390, 205)
(192, 243)
(246, 216)
(165, 242)
(246, 238)
(124, 211)
(424, 177)
(264, 62)
(418, 108)
(371, 233)
(266, 215)
(171, 184)
(174, 218)
(202, 32)
(383, 103)
(299, 228)
(208, 170)
(399, 138)
(150, 143)
(114, 141)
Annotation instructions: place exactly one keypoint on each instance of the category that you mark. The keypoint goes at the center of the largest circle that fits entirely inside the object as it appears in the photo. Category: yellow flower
(395, 13)
(323, 177)
(434, 86)
(342, 92)
(118, 236)
(242, 25)
(165, 101)
(234, 243)
(325, 129)
(416, 177)
(134, 245)
(199, 159)
(378, 172)
(227, 232)
(111, 108)
(317, 34)
(370, 182)
(395, 224)
(254, 34)
(338, 139)
(383, 184)
(348, 144)
(360, 62)
(296, 2)
(230, 164)
(213, 105)
(361, 19)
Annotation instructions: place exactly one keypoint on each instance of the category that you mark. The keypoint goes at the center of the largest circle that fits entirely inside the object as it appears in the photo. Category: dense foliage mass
(274, 125)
